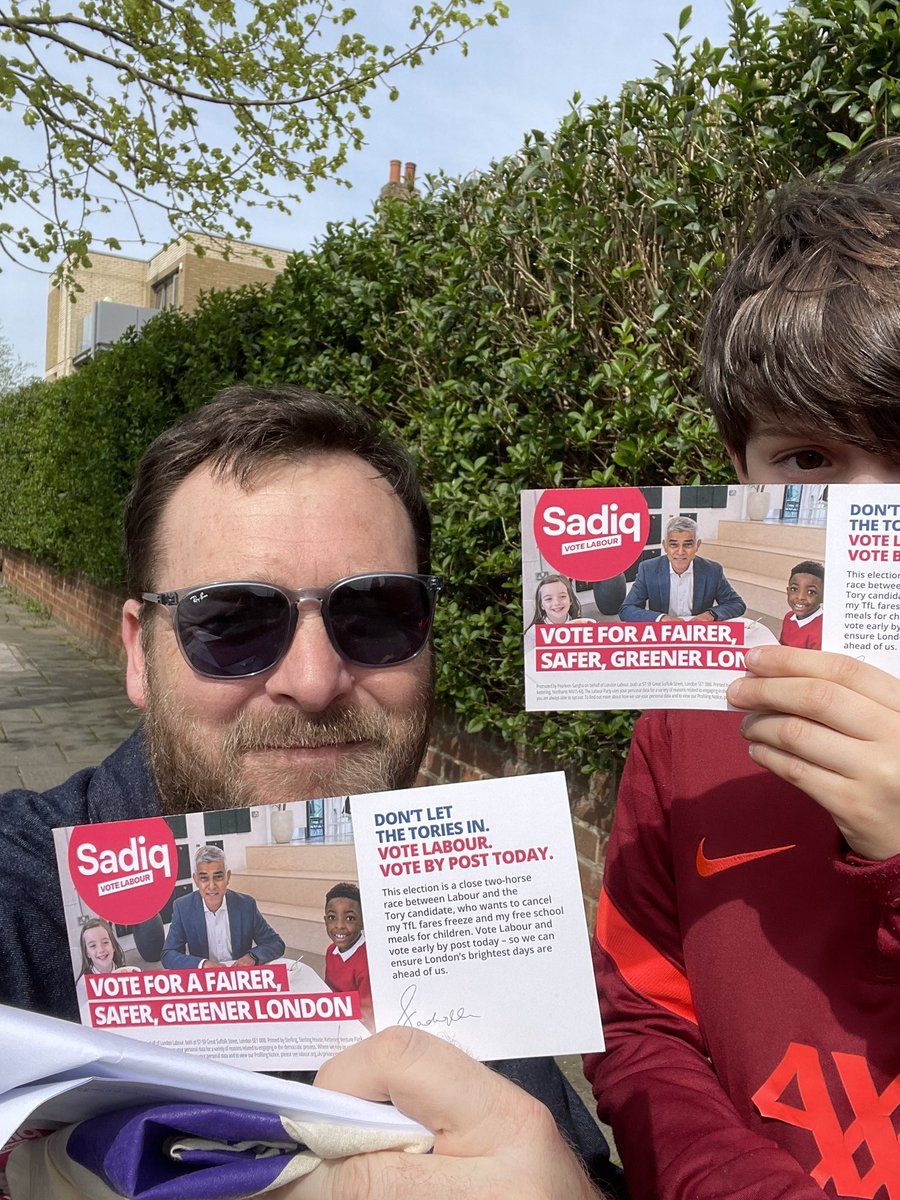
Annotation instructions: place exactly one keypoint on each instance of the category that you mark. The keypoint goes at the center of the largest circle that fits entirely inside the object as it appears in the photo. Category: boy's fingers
(869, 822)
(812, 683)
(800, 708)
(789, 663)
(810, 741)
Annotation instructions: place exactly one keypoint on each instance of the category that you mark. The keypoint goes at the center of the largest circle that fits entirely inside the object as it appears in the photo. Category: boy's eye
(809, 460)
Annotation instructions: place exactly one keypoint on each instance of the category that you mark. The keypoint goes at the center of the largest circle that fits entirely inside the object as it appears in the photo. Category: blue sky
(455, 114)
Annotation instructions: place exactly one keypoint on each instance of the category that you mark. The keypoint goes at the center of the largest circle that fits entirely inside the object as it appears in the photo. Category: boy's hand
(830, 725)
(492, 1139)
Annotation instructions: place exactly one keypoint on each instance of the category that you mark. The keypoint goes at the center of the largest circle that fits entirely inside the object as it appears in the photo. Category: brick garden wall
(93, 613)
(453, 755)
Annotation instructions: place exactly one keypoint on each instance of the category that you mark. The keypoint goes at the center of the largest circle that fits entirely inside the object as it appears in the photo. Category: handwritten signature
(408, 1014)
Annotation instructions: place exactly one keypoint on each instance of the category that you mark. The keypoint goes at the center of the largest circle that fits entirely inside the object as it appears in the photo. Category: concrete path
(63, 708)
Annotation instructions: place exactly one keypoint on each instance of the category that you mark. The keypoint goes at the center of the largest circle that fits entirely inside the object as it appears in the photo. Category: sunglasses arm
(166, 599)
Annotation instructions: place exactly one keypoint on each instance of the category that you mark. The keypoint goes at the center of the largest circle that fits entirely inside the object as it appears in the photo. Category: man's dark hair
(240, 431)
(808, 567)
(805, 327)
(344, 891)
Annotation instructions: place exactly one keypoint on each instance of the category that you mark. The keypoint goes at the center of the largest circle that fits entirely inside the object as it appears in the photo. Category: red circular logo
(124, 871)
(591, 533)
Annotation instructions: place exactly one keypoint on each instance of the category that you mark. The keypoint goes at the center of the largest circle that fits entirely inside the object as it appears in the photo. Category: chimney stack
(397, 188)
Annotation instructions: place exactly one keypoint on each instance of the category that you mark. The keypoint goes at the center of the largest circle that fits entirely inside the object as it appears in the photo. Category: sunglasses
(234, 630)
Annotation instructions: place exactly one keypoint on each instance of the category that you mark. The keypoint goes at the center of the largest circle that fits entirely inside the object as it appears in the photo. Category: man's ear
(132, 640)
(737, 461)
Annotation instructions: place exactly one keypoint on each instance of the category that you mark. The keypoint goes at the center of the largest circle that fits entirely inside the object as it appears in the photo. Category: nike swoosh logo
(712, 866)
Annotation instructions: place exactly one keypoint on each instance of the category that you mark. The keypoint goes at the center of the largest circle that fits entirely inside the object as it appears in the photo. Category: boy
(748, 936)
(346, 961)
(802, 626)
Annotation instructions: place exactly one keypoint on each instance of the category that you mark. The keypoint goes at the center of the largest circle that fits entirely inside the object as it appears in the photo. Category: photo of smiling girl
(555, 603)
(100, 949)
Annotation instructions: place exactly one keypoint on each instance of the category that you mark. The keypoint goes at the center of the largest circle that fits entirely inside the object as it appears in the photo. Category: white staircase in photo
(289, 883)
(757, 557)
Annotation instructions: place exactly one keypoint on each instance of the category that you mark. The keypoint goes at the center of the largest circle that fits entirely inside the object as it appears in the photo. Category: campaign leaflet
(469, 896)
(649, 597)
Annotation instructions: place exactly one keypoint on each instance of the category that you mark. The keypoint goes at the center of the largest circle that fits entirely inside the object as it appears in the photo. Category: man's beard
(193, 776)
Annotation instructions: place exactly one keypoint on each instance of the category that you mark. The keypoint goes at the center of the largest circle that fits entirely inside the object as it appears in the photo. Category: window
(165, 291)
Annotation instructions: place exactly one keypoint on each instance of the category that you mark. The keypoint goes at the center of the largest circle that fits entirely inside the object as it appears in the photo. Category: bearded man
(277, 634)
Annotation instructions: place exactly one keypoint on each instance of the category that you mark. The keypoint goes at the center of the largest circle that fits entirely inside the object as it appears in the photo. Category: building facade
(118, 292)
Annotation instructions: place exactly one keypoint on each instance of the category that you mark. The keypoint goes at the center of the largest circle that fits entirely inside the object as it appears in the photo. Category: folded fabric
(185, 1151)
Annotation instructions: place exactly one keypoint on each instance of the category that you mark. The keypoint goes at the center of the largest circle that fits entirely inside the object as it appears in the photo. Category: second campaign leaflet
(650, 597)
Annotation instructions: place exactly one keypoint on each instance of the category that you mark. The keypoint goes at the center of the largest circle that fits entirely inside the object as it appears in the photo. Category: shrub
(535, 325)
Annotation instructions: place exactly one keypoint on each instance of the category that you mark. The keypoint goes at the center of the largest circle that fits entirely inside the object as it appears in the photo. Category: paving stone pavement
(61, 707)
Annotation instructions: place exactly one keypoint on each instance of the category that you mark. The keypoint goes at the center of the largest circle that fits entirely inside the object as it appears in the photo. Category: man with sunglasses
(277, 631)
(277, 638)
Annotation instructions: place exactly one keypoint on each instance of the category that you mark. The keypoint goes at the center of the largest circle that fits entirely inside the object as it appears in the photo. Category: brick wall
(93, 613)
(453, 755)
(249, 253)
(210, 274)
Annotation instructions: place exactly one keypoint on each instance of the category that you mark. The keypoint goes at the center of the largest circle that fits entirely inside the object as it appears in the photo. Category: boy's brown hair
(805, 328)
(808, 567)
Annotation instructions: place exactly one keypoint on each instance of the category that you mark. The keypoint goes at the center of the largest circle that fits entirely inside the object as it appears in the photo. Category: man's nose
(312, 674)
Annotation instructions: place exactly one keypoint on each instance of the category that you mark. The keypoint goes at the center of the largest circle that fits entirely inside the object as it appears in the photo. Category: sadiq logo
(125, 871)
(591, 533)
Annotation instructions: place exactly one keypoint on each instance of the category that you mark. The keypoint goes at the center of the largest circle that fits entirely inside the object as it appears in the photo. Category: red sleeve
(363, 986)
(329, 970)
(678, 1133)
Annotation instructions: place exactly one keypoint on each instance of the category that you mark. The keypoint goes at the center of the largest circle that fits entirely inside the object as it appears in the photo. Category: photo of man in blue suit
(210, 927)
(681, 586)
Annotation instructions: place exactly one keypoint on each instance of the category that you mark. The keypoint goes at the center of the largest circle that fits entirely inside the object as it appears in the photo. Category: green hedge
(533, 326)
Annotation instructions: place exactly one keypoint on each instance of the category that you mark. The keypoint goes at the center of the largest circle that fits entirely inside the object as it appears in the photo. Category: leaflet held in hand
(650, 597)
(443, 903)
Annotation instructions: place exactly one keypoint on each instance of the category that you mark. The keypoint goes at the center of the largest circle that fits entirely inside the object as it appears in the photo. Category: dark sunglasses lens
(227, 632)
(380, 620)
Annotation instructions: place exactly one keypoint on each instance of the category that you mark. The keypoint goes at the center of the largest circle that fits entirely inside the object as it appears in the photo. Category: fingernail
(751, 656)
